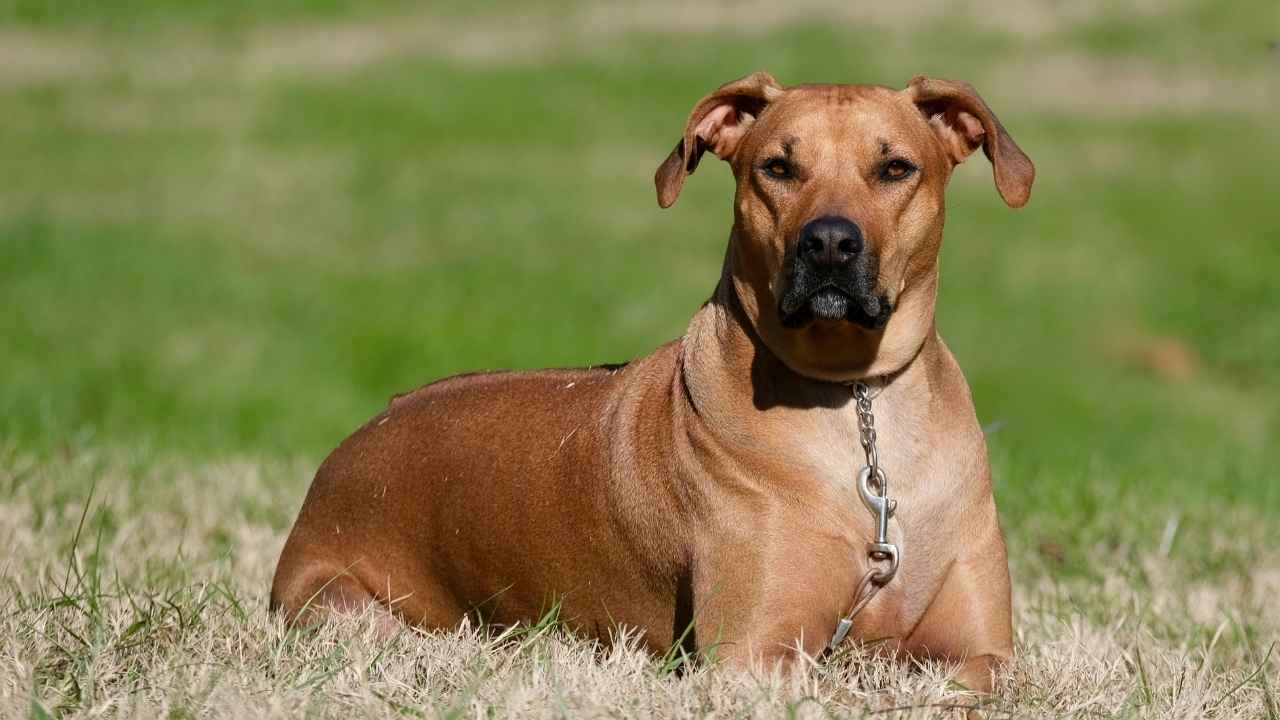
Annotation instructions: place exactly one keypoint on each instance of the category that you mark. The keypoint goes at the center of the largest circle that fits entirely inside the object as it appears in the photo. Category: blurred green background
(236, 228)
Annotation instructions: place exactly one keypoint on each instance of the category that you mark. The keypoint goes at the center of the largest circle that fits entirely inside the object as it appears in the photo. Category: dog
(704, 495)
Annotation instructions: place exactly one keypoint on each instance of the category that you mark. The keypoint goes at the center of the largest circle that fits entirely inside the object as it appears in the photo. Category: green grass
(218, 243)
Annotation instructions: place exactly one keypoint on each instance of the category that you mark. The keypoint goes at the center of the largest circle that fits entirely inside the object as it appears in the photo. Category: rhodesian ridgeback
(708, 494)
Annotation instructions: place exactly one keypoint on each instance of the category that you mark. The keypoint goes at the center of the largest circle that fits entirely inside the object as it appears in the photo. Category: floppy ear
(718, 122)
(962, 121)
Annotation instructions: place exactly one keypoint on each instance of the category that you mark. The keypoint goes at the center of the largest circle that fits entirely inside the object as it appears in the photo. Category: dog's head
(839, 207)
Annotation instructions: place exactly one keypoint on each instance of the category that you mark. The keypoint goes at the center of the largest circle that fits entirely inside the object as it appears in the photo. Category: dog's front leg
(970, 619)
(760, 604)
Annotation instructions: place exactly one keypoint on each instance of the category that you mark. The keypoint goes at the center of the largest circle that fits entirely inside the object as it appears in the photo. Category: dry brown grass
(159, 608)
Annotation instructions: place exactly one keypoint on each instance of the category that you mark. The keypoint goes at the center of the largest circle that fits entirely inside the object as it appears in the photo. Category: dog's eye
(897, 169)
(777, 168)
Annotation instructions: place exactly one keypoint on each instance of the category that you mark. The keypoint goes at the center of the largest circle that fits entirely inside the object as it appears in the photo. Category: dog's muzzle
(832, 277)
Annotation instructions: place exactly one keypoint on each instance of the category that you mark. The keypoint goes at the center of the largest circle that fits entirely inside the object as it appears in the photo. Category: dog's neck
(727, 361)
(746, 398)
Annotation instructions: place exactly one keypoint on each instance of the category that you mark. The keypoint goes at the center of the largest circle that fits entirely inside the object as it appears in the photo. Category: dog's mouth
(832, 303)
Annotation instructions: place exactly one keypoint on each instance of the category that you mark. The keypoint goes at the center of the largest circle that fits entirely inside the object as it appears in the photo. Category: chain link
(867, 428)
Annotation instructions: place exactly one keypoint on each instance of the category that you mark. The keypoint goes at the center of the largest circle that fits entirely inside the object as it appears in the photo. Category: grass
(147, 594)
(229, 231)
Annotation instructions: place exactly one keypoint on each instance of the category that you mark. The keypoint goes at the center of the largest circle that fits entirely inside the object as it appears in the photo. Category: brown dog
(710, 485)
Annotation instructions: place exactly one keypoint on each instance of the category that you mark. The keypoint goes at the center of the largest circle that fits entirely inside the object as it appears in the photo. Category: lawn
(230, 231)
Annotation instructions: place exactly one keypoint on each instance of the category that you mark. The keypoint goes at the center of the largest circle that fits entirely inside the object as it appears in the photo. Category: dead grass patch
(160, 609)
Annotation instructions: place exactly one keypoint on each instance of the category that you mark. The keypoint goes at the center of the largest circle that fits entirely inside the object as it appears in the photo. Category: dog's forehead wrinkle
(866, 129)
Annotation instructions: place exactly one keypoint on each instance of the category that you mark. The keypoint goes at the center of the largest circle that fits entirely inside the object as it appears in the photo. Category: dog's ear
(962, 121)
(718, 123)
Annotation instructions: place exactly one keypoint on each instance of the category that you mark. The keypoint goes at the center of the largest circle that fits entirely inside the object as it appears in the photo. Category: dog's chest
(929, 473)
(925, 464)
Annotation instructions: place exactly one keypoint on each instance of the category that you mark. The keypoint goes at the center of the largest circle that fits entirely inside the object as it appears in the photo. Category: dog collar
(877, 500)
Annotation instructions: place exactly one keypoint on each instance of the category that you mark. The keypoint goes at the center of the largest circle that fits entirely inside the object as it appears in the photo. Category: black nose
(830, 240)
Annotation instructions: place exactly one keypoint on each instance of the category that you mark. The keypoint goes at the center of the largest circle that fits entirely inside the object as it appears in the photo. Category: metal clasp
(883, 508)
(876, 503)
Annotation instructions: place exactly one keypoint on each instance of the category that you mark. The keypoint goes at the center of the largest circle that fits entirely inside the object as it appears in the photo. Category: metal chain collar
(881, 506)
